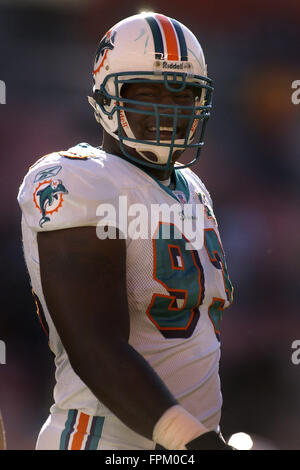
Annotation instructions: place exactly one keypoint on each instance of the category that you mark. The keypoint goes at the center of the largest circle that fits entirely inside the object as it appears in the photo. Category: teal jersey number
(179, 270)
(217, 258)
(216, 255)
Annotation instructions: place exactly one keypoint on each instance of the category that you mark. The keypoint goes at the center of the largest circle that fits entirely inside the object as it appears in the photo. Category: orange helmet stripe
(170, 37)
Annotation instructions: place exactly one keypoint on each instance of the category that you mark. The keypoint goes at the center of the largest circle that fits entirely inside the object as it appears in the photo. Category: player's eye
(146, 94)
(186, 96)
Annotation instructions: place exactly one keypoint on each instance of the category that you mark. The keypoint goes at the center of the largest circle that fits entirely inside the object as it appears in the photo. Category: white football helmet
(151, 46)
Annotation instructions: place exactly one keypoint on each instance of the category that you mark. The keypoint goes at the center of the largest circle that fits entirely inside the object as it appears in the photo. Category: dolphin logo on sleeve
(48, 198)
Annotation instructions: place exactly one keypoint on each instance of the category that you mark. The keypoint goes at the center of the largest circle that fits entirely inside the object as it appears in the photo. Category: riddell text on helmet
(167, 65)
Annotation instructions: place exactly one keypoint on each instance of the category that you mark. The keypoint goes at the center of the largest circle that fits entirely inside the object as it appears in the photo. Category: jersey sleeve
(63, 191)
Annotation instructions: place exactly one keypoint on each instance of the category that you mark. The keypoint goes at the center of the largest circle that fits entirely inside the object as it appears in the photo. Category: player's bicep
(84, 285)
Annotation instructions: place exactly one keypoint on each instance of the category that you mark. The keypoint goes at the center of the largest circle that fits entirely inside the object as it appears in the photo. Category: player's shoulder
(82, 166)
(64, 188)
(77, 160)
(197, 184)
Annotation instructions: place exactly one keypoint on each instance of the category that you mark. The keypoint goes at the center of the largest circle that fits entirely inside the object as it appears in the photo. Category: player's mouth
(164, 133)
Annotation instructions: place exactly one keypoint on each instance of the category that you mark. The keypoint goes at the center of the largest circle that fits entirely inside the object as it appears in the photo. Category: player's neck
(111, 145)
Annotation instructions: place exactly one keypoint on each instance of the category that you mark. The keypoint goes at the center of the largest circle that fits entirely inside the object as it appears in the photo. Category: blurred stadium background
(250, 164)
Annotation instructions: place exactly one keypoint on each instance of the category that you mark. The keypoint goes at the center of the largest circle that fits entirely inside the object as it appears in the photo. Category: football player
(132, 313)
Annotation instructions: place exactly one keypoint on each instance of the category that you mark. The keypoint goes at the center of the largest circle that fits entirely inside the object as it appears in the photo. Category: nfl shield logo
(180, 196)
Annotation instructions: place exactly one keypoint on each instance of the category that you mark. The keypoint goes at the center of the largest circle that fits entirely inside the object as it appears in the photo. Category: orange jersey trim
(81, 431)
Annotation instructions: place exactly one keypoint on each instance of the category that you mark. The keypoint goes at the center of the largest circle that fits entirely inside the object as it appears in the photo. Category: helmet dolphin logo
(106, 43)
(47, 196)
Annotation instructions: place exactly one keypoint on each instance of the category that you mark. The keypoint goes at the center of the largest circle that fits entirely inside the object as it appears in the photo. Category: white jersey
(176, 291)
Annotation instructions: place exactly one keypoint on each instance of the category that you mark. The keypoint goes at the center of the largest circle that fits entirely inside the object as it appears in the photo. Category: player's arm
(84, 284)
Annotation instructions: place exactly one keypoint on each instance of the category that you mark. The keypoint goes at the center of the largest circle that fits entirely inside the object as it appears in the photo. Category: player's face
(144, 126)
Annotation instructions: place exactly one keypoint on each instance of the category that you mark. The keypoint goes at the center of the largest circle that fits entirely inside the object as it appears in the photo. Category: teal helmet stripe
(158, 32)
(181, 40)
(157, 37)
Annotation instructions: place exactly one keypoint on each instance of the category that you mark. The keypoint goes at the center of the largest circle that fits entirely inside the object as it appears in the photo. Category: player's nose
(167, 98)
(168, 102)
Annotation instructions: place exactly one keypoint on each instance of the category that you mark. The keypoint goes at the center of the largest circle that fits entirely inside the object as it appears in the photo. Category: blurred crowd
(250, 164)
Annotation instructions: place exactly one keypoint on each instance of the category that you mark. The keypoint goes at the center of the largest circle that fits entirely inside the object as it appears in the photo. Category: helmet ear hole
(123, 90)
(100, 98)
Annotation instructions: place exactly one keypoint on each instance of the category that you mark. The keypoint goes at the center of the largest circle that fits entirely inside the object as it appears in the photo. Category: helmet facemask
(112, 109)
